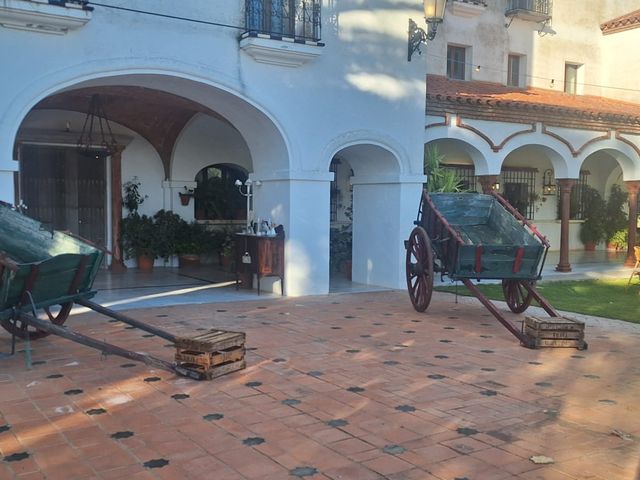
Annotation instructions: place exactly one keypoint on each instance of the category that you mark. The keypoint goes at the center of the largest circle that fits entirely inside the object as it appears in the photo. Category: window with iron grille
(466, 174)
(577, 207)
(519, 189)
(297, 19)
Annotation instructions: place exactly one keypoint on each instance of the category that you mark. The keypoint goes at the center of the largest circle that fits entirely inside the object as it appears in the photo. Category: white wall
(205, 141)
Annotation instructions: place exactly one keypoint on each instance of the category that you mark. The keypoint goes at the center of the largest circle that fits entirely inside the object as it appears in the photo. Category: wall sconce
(548, 187)
(495, 187)
(433, 15)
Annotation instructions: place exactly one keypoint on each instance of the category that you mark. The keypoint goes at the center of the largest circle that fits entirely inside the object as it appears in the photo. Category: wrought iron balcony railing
(295, 19)
(535, 10)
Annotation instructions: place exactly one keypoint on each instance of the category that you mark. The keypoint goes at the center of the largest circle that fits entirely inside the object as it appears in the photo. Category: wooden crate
(210, 354)
(199, 372)
(555, 332)
(211, 341)
(210, 359)
(553, 323)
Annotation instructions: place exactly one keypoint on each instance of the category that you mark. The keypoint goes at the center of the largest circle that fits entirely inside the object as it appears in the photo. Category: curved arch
(368, 137)
(625, 155)
(479, 159)
(263, 133)
(475, 146)
(204, 141)
(561, 168)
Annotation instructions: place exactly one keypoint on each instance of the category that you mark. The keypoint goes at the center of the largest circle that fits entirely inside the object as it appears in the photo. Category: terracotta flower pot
(145, 262)
(186, 260)
(185, 198)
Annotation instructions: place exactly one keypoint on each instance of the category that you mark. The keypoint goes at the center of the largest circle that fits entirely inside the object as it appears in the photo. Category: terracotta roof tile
(532, 104)
(619, 24)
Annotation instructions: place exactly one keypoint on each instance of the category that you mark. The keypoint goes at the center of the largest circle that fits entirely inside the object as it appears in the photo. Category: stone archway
(384, 201)
(153, 110)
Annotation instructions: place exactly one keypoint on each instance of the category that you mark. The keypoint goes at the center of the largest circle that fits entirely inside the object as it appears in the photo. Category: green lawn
(603, 298)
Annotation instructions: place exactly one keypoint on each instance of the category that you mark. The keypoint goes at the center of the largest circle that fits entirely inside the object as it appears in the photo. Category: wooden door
(65, 190)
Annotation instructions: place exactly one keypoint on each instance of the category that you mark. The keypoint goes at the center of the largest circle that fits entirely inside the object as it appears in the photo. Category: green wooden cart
(471, 236)
(43, 273)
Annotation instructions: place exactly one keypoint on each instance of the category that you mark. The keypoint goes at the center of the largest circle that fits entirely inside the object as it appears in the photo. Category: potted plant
(593, 229)
(192, 241)
(227, 252)
(619, 240)
(617, 220)
(340, 246)
(139, 239)
(185, 196)
(167, 226)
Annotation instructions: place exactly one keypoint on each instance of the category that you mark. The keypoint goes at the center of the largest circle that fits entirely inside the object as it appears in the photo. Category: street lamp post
(433, 15)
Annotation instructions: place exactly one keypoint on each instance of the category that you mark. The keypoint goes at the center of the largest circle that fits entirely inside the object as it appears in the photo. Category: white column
(7, 169)
(299, 202)
(384, 209)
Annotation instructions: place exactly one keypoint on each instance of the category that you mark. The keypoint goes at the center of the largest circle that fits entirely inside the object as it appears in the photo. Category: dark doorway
(65, 190)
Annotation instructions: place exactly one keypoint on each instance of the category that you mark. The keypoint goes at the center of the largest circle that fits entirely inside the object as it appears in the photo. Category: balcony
(468, 8)
(282, 32)
(56, 17)
(530, 10)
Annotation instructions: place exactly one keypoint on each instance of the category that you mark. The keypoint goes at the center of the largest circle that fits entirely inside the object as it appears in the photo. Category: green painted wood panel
(480, 220)
(56, 255)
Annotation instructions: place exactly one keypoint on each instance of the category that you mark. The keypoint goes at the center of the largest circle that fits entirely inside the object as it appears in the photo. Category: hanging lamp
(96, 137)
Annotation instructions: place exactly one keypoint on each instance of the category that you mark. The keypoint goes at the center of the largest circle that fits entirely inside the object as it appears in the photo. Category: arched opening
(216, 195)
(168, 130)
(366, 203)
(341, 217)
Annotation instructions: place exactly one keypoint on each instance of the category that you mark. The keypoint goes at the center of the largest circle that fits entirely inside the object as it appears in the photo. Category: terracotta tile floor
(349, 387)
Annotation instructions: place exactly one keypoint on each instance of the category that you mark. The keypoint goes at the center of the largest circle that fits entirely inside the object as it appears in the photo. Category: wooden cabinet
(261, 255)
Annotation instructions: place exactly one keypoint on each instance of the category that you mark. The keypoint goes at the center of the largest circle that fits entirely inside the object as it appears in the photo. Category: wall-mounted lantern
(433, 15)
(548, 187)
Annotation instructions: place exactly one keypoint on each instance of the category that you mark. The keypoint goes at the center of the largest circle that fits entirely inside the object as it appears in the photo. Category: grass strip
(601, 298)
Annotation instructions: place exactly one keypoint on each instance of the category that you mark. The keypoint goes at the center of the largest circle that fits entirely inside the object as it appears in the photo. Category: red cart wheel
(517, 296)
(19, 328)
(419, 264)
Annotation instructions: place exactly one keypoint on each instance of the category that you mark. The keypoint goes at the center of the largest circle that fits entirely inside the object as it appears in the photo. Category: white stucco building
(290, 92)
(538, 96)
(275, 88)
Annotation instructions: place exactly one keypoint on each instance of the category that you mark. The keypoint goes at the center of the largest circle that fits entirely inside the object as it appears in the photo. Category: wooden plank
(559, 343)
(553, 323)
(208, 360)
(198, 371)
(554, 334)
(213, 341)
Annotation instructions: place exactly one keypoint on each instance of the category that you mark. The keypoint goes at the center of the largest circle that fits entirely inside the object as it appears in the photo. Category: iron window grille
(519, 189)
(467, 176)
(577, 207)
(296, 19)
(542, 7)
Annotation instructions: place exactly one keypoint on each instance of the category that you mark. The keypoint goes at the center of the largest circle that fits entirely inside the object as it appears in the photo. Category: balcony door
(65, 190)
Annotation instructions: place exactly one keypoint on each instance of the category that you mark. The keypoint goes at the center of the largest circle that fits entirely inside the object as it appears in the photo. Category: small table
(265, 257)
